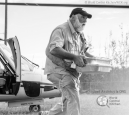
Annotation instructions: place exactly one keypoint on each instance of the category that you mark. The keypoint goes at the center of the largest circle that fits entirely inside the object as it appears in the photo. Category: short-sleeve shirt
(66, 37)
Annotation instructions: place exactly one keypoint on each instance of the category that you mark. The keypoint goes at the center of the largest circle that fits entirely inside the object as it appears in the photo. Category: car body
(21, 81)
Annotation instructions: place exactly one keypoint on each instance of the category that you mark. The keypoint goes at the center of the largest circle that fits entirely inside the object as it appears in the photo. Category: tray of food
(96, 65)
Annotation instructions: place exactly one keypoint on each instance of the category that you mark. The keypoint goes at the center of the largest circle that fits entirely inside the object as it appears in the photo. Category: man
(67, 47)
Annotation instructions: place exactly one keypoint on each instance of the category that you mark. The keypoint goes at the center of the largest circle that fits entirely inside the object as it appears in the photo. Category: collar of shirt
(73, 30)
(71, 27)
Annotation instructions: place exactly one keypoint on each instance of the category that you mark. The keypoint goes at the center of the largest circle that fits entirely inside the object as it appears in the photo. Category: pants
(70, 95)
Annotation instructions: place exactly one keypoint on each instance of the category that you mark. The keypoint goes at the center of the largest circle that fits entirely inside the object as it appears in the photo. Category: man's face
(80, 22)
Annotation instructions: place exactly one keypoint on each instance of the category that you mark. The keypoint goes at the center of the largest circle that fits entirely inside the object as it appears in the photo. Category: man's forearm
(63, 54)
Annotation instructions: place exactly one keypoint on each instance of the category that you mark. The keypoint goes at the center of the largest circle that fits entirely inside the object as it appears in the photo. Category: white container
(96, 65)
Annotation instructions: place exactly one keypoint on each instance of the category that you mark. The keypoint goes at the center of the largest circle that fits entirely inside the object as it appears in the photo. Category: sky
(33, 25)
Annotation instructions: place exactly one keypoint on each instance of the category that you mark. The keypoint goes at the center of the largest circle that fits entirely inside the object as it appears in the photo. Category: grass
(24, 110)
(88, 106)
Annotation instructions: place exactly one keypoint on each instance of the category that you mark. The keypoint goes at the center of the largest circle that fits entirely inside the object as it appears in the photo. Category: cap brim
(89, 16)
(86, 14)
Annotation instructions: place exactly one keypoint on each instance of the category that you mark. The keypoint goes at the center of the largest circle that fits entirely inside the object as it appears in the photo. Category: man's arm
(56, 48)
(63, 54)
(56, 45)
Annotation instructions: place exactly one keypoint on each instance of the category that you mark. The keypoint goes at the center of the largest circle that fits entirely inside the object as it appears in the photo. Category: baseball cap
(80, 11)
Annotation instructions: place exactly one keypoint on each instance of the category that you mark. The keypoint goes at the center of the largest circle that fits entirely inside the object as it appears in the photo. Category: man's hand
(80, 60)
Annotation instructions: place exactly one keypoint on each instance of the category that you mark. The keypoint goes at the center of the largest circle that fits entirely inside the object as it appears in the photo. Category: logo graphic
(102, 101)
